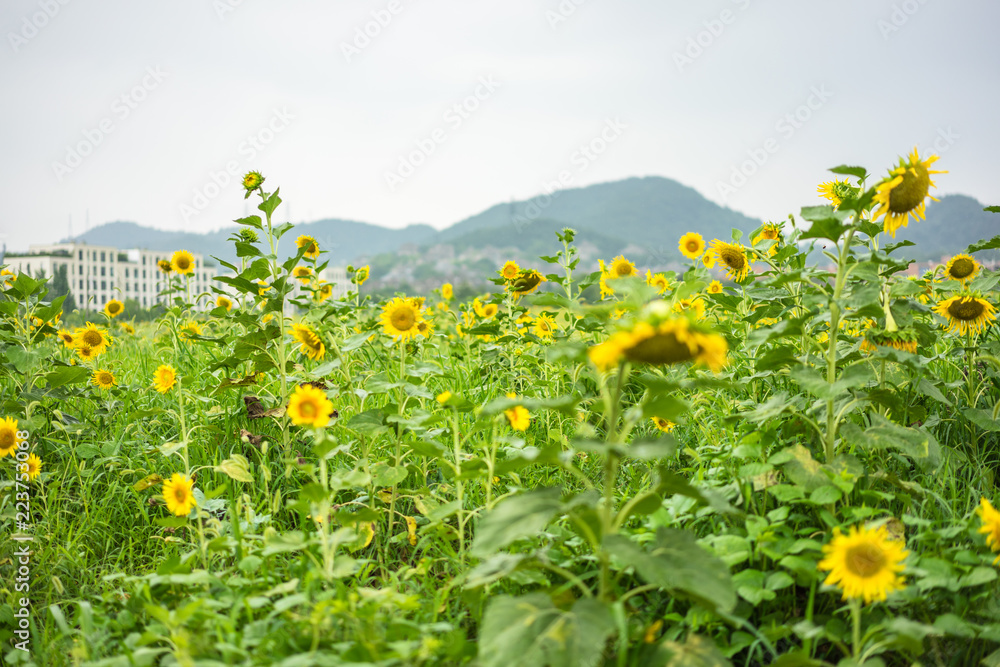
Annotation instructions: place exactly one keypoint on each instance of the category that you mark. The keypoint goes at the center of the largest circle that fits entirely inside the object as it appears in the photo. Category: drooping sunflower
(114, 308)
(447, 291)
(664, 425)
(991, 525)
(966, 313)
(962, 268)
(66, 336)
(309, 406)
(182, 262)
(311, 344)
(544, 327)
(692, 245)
(8, 436)
(904, 191)
(518, 417)
(103, 379)
(400, 318)
(310, 246)
(901, 339)
(32, 467)
(510, 270)
(865, 563)
(836, 191)
(657, 280)
(164, 266)
(302, 273)
(732, 257)
(177, 493)
(715, 287)
(223, 302)
(526, 282)
(164, 378)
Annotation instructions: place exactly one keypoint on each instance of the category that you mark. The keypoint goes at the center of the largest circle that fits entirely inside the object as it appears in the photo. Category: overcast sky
(135, 110)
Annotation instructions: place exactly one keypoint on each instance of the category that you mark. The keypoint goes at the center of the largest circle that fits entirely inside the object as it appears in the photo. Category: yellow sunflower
(544, 327)
(85, 352)
(127, 328)
(182, 262)
(966, 313)
(664, 425)
(904, 191)
(692, 245)
(32, 467)
(526, 282)
(324, 292)
(8, 436)
(311, 344)
(302, 273)
(309, 244)
(66, 336)
(177, 493)
(361, 275)
(113, 308)
(715, 287)
(103, 379)
(94, 337)
(425, 328)
(443, 397)
(190, 329)
(164, 378)
(657, 280)
(835, 191)
(991, 525)
(962, 268)
(621, 268)
(252, 181)
(7, 276)
(447, 291)
(164, 266)
(864, 563)
(510, 270)
(518, 417)
(694, 306)
(400, 318)
(732, 257)
(262, 287)
(309, 406)
(708, 260)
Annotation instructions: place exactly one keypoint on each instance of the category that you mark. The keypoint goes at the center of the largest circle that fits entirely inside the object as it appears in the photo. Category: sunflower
(223, 302)
(127, 328)
(164, 266)
(94, 337)
(657, 280)
(361, 275)
(400, 318)
(904, 340)
(544, 327)
(966, 313)
(510, 270)
(189, 330)
(113, 308)
(518, 417)
(732, 257)
(526, 282)
(864, 563)
(425, 328)
(7, 276)
(695, 306)
(302, 274)
(324, 292)
(487, 311)
(660, 339)
(991, 525)
(177, 493)
(836, 191)
(962, 268)
(664, 425)
(66, 336)
(692, 245)
(164, 378)
(621, 268)
(443, 397)
(252, 181)
(32, 467)
(771, 231)
(309, 406)
(8, 436)
(262, 287)
(708, 260)
(903, 192)
(85, 352)
(447, 291)
(310, 246)
(103, 379)
(182, 262)
(715, 287)
(312, 345)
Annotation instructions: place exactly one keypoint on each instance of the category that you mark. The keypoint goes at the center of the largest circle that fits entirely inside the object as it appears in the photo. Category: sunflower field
(785, 454)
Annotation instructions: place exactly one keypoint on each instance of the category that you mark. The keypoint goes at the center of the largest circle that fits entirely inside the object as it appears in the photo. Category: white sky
(881, 75)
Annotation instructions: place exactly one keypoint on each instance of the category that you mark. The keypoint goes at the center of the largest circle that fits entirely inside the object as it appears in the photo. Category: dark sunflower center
(114, 307)
(966, 310)
(734, 259)
(911, 192)
(92, 338)
(962, 268)
(180, 494)
(623, 270)
(692, 246)
(865, 560)
(660, 349)
(104, 377)
(183, 263)
(7, 438)
(403, 319)
(308, 409)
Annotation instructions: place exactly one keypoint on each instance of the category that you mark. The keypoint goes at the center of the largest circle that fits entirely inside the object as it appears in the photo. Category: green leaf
(992, 209)
(982, 418)
(696, 651)
(63, 375)
(236, 467)
(23, 359)
(676, 561)
(802, 469)
(671, 483)
(515, 517)
(827, 223)
(918, 444)
(530, 631)
(858, 172)
(269, 204)
(992, 244)
(850, 377)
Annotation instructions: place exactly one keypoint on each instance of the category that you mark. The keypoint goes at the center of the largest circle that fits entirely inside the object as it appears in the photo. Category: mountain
(952, 224)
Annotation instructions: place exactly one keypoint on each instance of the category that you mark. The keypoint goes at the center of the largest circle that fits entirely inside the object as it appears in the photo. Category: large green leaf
(515, 517)
(530, 631)
(696, 651)
(917, 444)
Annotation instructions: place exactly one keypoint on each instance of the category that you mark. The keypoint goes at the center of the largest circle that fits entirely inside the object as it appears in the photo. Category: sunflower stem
(856, 626)
(831, 354)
